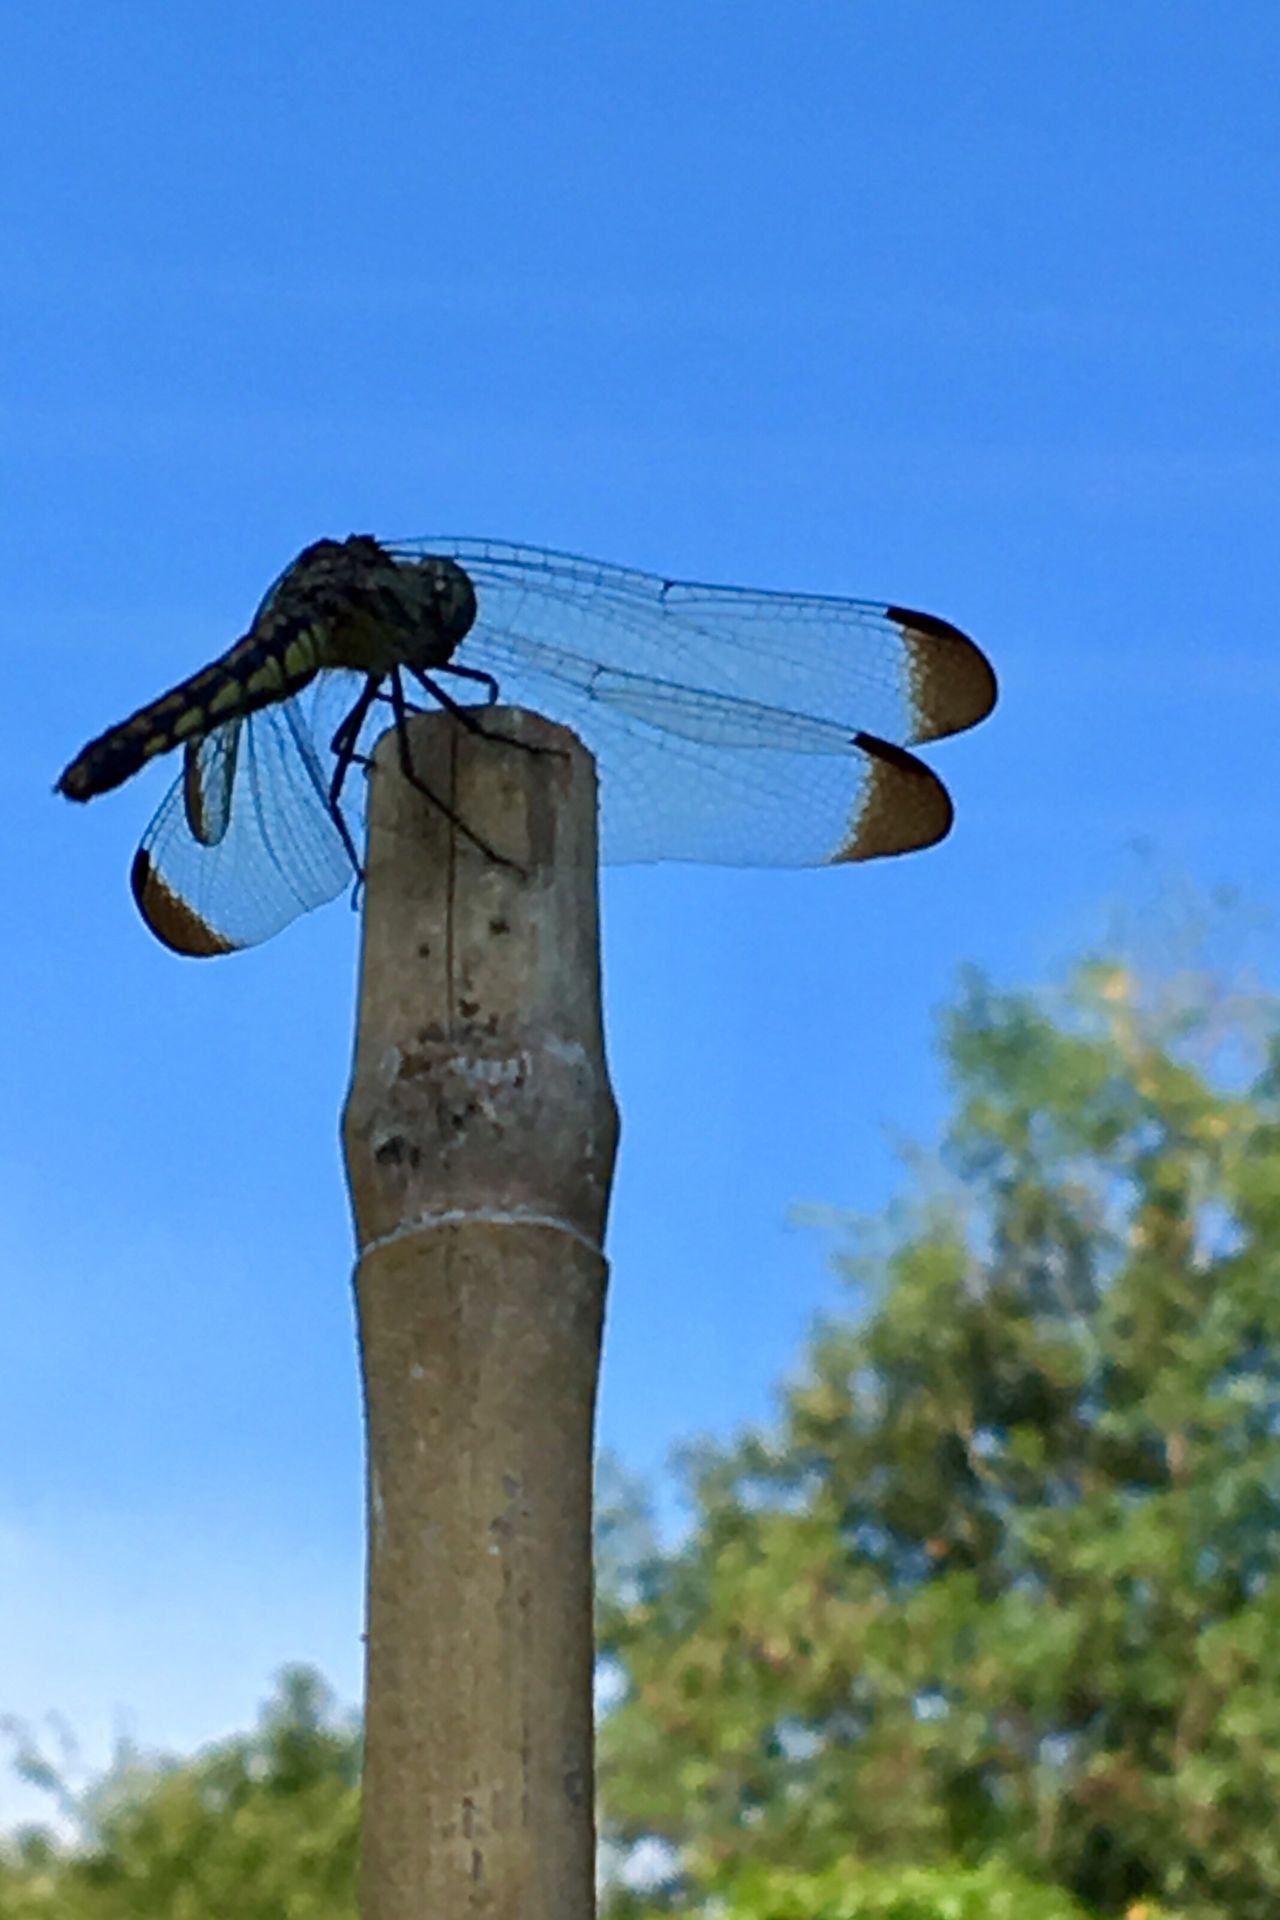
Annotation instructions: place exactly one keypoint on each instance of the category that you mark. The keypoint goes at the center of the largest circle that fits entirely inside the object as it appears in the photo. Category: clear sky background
(975, 306)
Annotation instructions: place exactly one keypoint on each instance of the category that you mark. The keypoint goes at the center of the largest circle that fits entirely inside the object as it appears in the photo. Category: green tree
(990, 1892)
(260, 1827)
(1001, 1585)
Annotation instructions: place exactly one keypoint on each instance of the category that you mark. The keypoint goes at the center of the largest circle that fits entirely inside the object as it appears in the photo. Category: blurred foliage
(1000, 1585)
(261, 1827)
(986, 1624)
(992, 1892)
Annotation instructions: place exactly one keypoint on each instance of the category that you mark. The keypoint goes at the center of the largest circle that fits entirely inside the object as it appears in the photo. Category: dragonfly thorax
(371, 612)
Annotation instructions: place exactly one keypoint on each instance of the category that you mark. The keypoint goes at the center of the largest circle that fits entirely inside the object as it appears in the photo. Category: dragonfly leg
(410, 706)
(485, 680)
(343, 745)
(348, 732)
(466, 717)
(401, 710)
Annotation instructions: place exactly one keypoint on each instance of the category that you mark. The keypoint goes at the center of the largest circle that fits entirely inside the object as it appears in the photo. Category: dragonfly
(729, 726)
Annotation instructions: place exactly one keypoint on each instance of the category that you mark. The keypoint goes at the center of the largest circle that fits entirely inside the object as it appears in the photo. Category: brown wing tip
(904, 805)
(953, 684)
(172, 921)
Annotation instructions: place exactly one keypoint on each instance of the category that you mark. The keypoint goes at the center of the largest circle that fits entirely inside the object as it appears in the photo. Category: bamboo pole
(480, 1133)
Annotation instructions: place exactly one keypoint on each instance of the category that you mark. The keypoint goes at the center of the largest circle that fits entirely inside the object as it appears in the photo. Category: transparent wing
(208, 782)
(244, 842)
(730, 726)
(888, 670)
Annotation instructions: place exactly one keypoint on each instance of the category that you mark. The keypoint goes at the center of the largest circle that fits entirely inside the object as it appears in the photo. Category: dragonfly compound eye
(455, 598)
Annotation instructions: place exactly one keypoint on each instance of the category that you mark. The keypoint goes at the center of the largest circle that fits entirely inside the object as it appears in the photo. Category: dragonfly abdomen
(252, 674)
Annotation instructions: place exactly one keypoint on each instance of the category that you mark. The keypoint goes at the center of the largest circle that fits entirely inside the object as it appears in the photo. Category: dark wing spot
(953, 685)
(904, 806)
(169, 917)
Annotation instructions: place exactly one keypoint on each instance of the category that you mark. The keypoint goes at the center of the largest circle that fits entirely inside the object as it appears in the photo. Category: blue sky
(975, 307)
